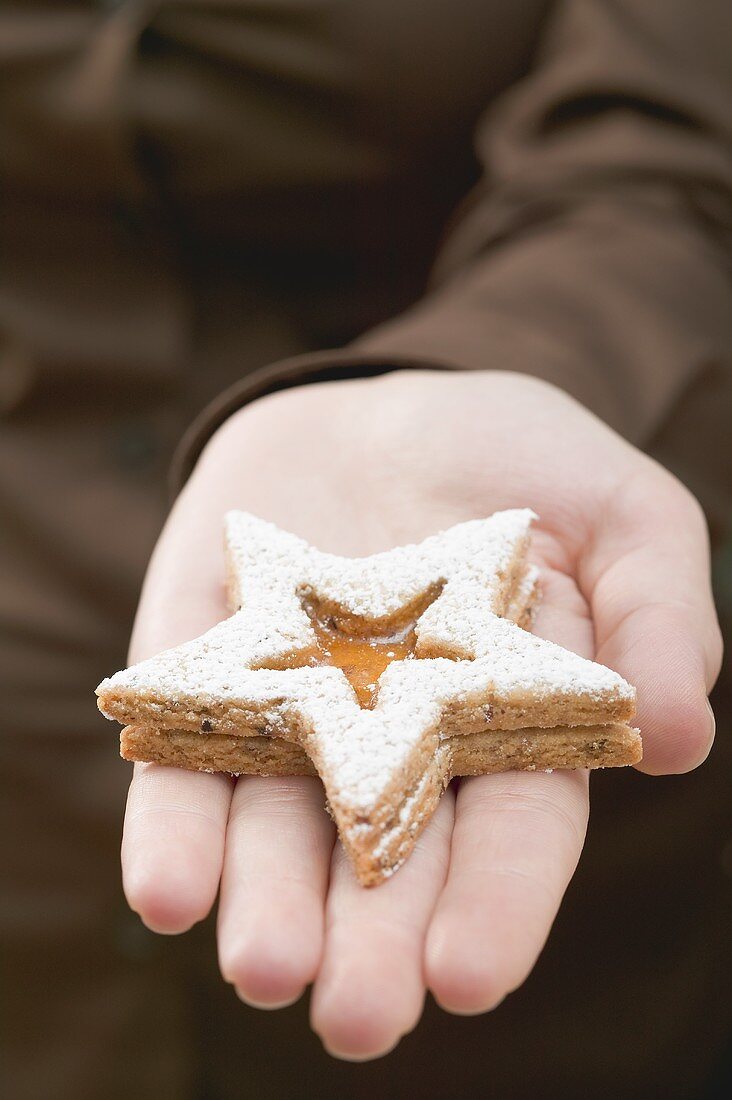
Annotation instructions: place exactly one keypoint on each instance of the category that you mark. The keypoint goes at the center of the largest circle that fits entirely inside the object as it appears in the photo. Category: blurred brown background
(192, 191)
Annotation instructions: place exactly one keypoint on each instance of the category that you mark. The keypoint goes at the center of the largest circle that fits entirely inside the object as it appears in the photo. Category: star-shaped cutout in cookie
(386, 674)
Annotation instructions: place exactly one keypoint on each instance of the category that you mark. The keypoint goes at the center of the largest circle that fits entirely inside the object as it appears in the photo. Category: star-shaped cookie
(386, 675)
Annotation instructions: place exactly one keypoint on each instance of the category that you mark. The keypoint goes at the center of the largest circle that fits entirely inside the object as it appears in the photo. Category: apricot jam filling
(362, 659)
(362, 650)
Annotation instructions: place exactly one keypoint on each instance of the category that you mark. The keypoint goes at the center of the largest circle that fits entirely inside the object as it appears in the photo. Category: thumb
(647, 578)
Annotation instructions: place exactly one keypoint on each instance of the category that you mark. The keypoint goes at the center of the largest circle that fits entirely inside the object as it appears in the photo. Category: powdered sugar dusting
(265, 559)
(480, 568)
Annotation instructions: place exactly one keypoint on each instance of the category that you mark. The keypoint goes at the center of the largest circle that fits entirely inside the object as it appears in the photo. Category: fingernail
(712, 718)
(267, 1006)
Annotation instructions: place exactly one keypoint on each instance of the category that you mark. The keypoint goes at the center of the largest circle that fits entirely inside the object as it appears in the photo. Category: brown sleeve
(595, 251)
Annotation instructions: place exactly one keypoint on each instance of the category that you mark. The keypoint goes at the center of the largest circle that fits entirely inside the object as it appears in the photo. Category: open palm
(357, 467)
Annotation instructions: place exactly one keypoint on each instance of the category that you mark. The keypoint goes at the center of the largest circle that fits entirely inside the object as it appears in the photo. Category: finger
(173, 844)
(516, 843)
(648, 580)
(563, 615)
(175, 822)
(370, 990)
(275, 878)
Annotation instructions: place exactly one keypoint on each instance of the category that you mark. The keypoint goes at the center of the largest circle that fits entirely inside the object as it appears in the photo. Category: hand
(356, 467)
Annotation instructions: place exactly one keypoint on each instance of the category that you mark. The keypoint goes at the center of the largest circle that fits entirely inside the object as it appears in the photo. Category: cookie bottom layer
(377, 853)
(608, 746)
